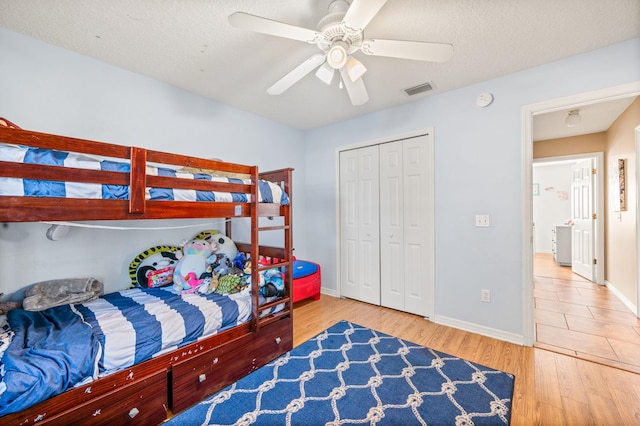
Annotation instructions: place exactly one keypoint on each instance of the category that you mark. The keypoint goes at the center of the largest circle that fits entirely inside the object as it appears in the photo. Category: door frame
(527, 114)
(638, 216)
(431, 267)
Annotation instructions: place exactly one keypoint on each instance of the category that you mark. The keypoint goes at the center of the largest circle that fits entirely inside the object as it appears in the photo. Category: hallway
(576, 317)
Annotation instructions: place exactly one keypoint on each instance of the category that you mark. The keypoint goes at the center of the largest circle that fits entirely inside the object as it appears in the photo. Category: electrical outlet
(482, 220)
(485, 296)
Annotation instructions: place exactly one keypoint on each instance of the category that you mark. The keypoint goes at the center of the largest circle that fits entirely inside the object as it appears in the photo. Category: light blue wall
(478, 170)
(49, 89)
(478, 159)
(53, 90)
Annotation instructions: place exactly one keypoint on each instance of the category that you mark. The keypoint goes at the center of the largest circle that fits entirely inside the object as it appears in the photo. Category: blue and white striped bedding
(58, 348)
(137, 324)
(269, 192)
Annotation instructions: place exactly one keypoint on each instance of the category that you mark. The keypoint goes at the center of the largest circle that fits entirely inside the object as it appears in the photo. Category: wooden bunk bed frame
(149, 392)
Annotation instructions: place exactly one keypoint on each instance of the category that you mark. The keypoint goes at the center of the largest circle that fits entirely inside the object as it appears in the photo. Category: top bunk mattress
(269, 192)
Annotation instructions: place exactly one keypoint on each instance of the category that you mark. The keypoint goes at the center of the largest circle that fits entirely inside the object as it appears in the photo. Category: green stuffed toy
(229, 284)
(227, 277)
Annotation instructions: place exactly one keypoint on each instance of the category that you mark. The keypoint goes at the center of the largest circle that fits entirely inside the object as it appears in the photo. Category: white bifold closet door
(360, 225)
(404, 225)
(386, 223)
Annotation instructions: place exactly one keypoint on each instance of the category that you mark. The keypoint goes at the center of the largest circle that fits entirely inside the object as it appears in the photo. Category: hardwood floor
(550, 388)
(578, 318)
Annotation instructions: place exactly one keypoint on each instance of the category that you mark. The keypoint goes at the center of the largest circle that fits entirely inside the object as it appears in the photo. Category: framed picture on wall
(618, 185)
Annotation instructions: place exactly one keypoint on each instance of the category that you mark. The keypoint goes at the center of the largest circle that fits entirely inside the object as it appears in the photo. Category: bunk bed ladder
(285, 262)
(279, 257)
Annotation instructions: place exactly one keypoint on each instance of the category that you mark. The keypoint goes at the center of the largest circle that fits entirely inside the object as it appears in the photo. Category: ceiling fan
(339, 35)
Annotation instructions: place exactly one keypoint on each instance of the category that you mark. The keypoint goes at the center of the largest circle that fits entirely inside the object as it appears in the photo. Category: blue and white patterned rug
(350, 374)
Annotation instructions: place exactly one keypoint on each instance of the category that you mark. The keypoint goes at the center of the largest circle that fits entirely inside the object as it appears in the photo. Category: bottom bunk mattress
(58, 348)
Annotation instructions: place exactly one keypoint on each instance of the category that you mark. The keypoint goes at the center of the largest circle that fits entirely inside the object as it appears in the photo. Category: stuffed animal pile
(194, 262)
(208, 262)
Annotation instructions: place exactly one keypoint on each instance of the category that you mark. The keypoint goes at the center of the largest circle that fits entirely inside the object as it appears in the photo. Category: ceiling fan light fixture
(338, 6)
(340, 34)
(355, 68)
(325, 73)
(337, 56)
(573, 118)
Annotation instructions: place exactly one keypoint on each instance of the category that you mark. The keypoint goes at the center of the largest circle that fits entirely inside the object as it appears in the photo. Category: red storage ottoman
(306, 280)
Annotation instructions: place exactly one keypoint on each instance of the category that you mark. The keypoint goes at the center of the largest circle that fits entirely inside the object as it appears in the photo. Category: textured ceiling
(191, 45)
(595, 118)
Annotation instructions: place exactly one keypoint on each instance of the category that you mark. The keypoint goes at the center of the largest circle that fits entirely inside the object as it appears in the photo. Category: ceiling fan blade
(297, 74)
(245, 21)
(325, 73)
(418, 50)
(356, 89)
(360, 13)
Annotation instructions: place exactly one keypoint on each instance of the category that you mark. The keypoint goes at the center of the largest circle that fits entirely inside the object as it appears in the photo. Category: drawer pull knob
(134, 412)
(202, 377)
(215, 360)
(278, 340)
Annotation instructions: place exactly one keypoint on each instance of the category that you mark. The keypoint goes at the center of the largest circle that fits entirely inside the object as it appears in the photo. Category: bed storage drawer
(143, 402)
(196, 378)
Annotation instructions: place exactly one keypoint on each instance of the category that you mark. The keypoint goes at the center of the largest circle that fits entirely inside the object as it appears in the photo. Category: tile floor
(578, 318)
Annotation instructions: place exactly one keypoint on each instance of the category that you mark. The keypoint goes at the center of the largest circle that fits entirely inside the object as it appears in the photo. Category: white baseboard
(632, 306)
(479, 329)
(329, 291)
(462, 325)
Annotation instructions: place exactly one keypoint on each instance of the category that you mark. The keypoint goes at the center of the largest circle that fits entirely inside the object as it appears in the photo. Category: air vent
(424, 87)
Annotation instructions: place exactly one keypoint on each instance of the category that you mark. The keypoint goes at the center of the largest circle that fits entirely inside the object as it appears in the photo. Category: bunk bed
(134, 185)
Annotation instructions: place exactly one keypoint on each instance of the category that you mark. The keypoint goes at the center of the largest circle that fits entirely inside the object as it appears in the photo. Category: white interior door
(349, 224)
(392, 273)
(406, 223)
(582, 209)
(360, 225)
(418, 225)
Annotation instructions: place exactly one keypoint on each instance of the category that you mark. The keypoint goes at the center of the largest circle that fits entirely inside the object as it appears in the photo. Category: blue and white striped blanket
(58, 348)
(137, 324)
(269, 192)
